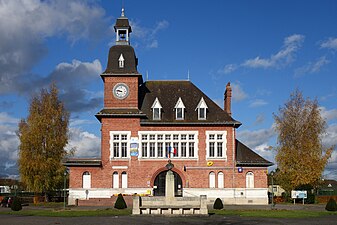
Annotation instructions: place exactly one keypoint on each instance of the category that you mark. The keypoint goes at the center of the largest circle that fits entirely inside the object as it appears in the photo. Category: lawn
(273, 213)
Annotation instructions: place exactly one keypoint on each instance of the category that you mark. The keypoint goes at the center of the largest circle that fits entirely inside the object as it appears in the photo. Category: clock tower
(121, 78)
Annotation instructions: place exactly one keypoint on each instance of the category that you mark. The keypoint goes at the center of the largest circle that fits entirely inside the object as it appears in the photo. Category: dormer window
(156, 109)
(121, 61)
(202, 109)
(180, 109)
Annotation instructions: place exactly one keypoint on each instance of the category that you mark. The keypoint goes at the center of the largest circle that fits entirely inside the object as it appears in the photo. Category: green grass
(70, 213)
(273, 213)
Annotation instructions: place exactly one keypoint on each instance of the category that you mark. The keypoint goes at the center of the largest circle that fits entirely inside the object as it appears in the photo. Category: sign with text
(298, 194)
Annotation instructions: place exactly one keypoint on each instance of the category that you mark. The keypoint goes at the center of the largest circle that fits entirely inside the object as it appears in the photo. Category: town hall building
(145, 124)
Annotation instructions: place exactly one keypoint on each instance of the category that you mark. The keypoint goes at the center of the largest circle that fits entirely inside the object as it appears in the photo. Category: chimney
(228, 99)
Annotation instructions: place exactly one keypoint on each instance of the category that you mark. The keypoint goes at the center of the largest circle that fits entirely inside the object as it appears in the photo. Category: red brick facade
(134, 114)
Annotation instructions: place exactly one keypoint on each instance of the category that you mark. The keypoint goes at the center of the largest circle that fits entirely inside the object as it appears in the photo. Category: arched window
(115, 180)
(124, 180)
(86, 180)
(220, 180)
(212, 180)
(250, 180)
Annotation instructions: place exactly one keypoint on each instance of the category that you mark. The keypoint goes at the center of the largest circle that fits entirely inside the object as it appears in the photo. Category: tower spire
(123, 12)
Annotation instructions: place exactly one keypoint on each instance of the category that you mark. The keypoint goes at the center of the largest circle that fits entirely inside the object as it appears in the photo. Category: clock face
(121, 90)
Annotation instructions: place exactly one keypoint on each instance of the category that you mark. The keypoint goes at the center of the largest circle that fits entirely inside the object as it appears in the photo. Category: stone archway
(160, 181)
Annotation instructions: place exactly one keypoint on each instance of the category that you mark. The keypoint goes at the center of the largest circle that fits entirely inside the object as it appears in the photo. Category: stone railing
(169, 206)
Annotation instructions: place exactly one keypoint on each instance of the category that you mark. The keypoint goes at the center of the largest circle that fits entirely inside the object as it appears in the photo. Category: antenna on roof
(188, 74)
(147, 75)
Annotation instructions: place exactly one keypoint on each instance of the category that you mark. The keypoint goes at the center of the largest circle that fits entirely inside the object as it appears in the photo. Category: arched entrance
(160, 181)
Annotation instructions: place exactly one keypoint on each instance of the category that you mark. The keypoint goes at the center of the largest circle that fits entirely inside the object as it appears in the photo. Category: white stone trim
(223, 141)
(127, 141)
(170, 142)
(119, 167)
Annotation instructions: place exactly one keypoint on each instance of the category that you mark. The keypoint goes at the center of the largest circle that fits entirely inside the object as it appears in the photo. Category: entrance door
(160, 182)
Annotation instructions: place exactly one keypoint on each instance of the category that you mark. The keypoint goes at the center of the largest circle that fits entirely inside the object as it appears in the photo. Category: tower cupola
(123, 30)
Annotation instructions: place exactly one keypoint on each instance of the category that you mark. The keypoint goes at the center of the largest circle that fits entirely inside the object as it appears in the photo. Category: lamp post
(64, 189)
(272, 189)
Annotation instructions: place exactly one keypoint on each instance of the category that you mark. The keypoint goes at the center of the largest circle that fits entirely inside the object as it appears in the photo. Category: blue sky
(265, 49)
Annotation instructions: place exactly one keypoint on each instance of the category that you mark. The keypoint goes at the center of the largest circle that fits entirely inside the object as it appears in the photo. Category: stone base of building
(229, 196)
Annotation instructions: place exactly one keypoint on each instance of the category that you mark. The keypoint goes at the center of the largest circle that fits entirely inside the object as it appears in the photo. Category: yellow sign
(210, 163)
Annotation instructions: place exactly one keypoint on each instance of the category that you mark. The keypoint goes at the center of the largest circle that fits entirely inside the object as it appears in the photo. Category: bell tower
(123, 30)
(121, 77)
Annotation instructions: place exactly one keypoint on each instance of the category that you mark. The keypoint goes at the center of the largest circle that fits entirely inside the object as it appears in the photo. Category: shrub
(218, 204)
(16, 204)
(120, 203)
(331, 205)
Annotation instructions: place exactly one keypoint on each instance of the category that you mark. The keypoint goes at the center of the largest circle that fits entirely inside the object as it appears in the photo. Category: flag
(170, 151)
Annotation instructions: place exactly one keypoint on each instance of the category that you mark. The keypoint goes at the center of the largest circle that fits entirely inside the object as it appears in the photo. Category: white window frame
(217, 143)
(115, 179)
(180, 105)
(250, 183)
(121, 61)
(211, 179)
(202, 106)
(120, 142)
(221, 180)
(166, 139)
(124, 179)
(86, 180)
(156, 106)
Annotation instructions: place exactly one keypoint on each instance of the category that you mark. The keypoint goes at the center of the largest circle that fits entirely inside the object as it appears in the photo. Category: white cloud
(229, 68)
(85, 143)
(283, 57)
(256, 138)
(259, 141)
(328, 115)
(147, 36)
(257, 103)
(331, 43)
(9, 143)
(259, 119)
(312, 67)
(26, 24)
(238, 92)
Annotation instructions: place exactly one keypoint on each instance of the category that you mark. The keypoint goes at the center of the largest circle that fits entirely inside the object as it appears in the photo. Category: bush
(218, 204)
(120, 203)
(331, 205)
(16, 204)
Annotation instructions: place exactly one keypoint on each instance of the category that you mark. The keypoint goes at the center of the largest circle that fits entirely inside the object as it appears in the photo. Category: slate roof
(117, 112)
(168, 93)
(90, 162)
(247, 157)
(122, 22)
(130, 61)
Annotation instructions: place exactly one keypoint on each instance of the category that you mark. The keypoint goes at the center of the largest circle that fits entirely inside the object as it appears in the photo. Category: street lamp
(64, 189)
(272, 189)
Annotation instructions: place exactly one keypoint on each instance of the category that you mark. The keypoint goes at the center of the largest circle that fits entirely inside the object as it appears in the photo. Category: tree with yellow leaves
(301, 157)
(43, 137)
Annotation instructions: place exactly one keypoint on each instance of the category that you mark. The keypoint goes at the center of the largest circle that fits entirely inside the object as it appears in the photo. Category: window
(216, 144)
(179, 108)
(220, 180)
(250, 180)
(115, 180)
(121, 61)
(124, 180)
(86, 180)
(119, 144)
(212, 180)
(161, 144)
(202, 109)
(156, 109)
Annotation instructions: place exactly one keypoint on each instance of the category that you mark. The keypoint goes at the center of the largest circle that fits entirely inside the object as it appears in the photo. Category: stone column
(169, 186)
(136, 204)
